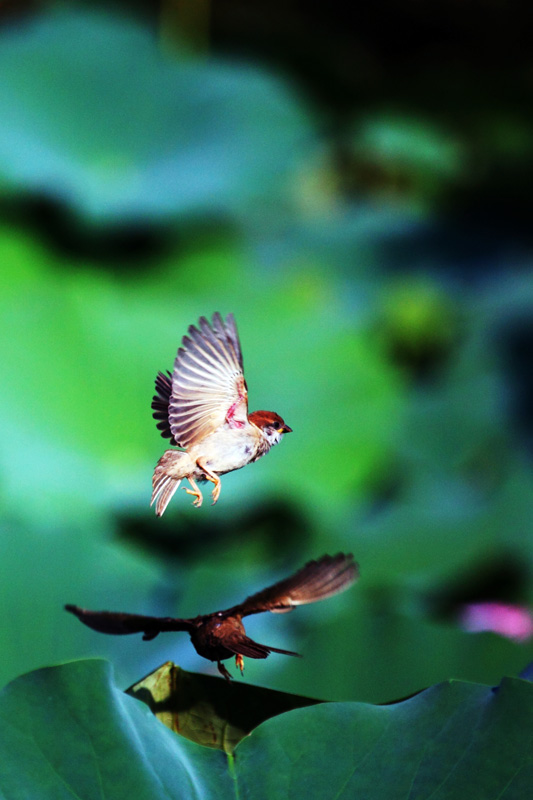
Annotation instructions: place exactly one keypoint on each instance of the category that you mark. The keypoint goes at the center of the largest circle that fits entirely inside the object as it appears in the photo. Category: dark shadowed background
(356, 189)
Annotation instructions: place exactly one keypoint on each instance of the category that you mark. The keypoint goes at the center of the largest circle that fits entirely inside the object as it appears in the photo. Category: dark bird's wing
(244, 646)
(208, 386)
(119, 624)
(160, 401)
(316, 581)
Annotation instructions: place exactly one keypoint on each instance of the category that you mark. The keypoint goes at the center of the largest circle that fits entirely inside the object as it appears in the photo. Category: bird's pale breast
(226, 449)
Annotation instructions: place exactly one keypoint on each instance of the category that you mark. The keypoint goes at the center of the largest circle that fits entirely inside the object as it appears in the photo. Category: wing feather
(118, 623)
(317, 580)
(208, 386)
(160, 401)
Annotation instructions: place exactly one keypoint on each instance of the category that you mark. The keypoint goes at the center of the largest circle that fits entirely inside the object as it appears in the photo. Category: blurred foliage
(202, 140)
(68, 731)
(141, 187)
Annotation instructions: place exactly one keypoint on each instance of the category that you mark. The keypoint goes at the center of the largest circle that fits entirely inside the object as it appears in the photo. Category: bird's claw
(216, 492)
(239, 662)
(197, 502)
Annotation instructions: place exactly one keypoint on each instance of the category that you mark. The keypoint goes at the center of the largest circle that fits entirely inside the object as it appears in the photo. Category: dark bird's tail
(247, 647)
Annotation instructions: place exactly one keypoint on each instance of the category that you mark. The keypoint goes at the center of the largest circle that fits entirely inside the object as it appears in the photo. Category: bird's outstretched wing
(316, 581)
(117, 623)
(208, 386)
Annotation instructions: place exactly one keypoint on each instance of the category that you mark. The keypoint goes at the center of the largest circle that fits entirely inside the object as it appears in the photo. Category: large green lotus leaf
(68, 730)
(204, 709)
(95, 116)
(453, 741)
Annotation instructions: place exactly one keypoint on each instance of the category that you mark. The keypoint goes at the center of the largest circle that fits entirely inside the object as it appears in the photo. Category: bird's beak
(285, 429)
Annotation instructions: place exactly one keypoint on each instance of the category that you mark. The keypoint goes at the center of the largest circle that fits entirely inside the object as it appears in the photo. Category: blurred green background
(355, 188)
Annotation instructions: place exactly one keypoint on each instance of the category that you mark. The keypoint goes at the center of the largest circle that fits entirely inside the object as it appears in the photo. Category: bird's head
(271, 425)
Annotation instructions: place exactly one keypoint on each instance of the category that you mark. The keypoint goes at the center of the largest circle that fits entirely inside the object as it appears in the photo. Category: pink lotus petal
(514, 622)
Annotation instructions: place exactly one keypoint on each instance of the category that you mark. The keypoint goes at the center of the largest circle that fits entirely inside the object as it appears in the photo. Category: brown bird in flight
(221, 635)
(202, 407)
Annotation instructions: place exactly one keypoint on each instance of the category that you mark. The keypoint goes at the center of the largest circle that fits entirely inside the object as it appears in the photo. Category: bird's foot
(210, 476)
(196, 493)
(223, 671)
(239, 662)
(216, 491)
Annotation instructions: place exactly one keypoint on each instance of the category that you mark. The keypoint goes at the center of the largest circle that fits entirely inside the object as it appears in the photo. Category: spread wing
(119, 624)
(316, 581)
(208, 386)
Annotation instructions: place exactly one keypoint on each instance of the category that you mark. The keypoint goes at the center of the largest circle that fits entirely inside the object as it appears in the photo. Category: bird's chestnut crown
(269, 422)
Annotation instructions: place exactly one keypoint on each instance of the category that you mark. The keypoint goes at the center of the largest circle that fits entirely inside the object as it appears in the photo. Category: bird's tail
(163, 489)
(245, 646)
(172, 467)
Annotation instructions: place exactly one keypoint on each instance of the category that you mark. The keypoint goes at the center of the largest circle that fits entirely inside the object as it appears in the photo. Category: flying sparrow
(221, 635)
(203, 409)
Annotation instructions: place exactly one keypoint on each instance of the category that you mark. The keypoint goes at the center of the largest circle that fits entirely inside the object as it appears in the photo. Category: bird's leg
(239, 662)
(213, 477)
(195, 491)
(223, 671)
